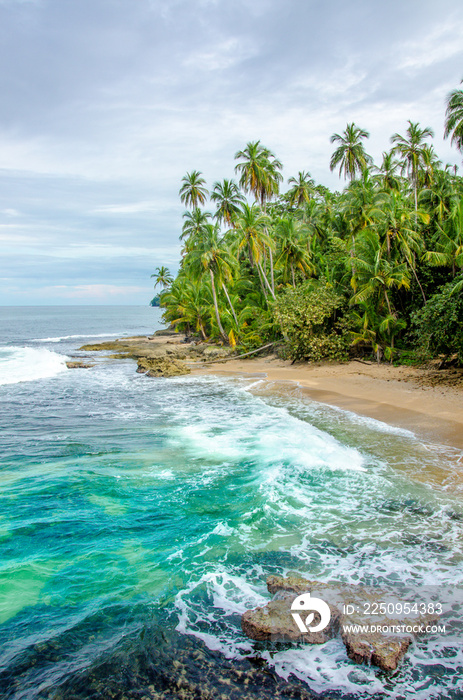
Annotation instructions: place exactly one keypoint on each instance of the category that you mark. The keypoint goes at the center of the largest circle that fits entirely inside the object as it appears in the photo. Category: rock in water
(275, 623)
(161, 367)
(379, 639)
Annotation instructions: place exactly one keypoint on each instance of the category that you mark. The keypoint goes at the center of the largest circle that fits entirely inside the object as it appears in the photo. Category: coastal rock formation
(78, 364)
(350, 606)
(161, 367)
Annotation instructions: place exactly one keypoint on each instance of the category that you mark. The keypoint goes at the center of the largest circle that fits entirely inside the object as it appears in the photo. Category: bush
(309, 317)
(438, 327)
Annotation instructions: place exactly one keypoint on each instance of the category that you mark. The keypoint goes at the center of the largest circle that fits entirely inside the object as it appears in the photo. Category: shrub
(438, 326)
(309, 319)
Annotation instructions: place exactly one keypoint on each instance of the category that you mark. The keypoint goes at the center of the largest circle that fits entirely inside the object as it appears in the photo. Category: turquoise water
(140, 517)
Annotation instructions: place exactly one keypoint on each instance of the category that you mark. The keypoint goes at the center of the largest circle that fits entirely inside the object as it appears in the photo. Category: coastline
(401, 396)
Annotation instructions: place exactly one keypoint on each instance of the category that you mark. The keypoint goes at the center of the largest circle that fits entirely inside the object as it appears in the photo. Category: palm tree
(194, 224)
(293, 254)
(449, 244)
(259, 171)
(454, 118)
(214, 258)
(411, 148)
(375, 275)
(229, 200)
(302, 189)
(260, 175)
(251, 230)
(163, 277)
(350, 155)
(388, 172)
(192, 192)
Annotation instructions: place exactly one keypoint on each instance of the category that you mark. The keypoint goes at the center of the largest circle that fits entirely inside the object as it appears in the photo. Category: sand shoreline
(395, 395)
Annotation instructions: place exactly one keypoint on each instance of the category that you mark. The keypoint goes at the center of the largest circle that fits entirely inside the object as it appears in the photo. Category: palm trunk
(230, 303)
(259, 266)
(292, 273)
(216, 307)
(272, 278)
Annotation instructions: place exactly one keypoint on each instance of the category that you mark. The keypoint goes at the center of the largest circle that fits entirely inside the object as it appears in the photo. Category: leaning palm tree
(251, 231)
(454, 118)
(192, 192)
(411, 149)
(350, 155)
(214, 258)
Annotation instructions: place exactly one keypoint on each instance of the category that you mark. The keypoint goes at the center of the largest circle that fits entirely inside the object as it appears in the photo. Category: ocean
(140, 517)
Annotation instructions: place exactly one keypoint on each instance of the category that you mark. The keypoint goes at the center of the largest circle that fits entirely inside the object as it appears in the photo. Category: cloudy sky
(105, 104)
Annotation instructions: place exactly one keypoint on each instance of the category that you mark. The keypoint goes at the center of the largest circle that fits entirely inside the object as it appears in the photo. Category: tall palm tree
(261, 176)
(411, 149)
(192, 192)
(302, 189)
(228, 199)
(350, 154)
(259, 171)
(454, 118)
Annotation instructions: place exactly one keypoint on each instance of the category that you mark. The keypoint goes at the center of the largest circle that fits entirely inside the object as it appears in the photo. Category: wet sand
(400, 396)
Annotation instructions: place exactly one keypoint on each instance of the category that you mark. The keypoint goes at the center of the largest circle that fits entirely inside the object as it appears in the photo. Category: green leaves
(307, 317)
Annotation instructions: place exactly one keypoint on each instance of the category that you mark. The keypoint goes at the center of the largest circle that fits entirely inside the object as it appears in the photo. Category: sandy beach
(407, 397)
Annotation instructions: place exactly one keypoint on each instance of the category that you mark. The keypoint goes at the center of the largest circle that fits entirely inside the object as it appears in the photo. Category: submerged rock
(161, 367)
(377, 638)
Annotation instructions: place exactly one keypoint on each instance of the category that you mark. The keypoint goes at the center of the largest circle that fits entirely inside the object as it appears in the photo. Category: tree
(411, 149)
(350, 155)
(259, 171)
(229, 201)
(374, 275)
(292, 253)
(213, 258)
(302, 189)
(388, 171)
(454, 118)
(437, 326)
(163, 277)
(192, 192)
(252, 235)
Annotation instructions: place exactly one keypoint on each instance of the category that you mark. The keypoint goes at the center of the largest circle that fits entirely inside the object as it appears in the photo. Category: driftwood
(233, 357)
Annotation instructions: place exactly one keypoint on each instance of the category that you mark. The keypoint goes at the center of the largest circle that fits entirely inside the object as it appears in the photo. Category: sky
(106, 104)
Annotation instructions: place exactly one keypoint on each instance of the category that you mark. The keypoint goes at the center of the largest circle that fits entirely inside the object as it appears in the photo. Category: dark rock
(78, 364)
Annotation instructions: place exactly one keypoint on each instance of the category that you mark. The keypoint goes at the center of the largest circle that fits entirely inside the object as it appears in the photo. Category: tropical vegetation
(376, 269)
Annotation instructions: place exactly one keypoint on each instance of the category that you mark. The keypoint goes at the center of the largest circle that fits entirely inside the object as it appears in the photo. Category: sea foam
(28, 364)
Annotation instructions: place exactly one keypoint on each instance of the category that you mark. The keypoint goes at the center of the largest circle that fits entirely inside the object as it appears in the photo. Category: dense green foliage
(326, 273)
(309, 318)
(438, 326)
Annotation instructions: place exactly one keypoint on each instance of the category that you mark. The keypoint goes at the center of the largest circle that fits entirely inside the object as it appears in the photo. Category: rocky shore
(165, 354)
